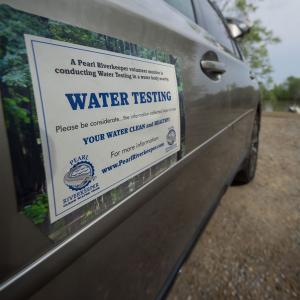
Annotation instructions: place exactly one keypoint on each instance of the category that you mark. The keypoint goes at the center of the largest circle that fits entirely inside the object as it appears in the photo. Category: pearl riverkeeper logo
(81, 173)
(171, 139)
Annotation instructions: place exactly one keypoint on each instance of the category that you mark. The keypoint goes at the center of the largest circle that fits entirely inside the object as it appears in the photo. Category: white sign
(104, 117)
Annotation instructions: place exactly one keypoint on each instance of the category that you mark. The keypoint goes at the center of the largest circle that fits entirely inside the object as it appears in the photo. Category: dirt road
(251, 247)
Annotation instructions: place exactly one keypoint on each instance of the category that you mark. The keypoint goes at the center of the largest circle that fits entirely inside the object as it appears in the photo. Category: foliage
(37, 211)
(254, 45)
(288, 91)
(14, 107)
(14, 70)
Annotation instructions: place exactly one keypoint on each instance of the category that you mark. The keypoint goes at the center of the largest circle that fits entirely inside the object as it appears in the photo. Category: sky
(282, 16)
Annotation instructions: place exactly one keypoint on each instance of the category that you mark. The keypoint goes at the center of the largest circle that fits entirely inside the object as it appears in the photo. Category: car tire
(248, 168)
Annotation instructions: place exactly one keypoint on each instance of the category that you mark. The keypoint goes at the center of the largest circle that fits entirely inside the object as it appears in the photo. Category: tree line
(288, 91)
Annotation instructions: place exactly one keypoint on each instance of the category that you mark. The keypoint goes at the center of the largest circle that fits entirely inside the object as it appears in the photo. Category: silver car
(122, 123)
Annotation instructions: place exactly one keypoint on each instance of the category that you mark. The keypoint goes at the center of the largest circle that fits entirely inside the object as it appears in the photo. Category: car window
(215, 25)
(184, 6)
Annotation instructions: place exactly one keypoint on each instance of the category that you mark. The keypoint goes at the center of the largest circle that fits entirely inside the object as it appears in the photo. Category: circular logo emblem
(79, 176)
(171, 137)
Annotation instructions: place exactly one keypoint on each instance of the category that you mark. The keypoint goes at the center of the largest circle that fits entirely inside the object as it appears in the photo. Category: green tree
(281, 96)
(289, 90)
(292, 86)
(13, 62)
(254, 44)
(17, 95)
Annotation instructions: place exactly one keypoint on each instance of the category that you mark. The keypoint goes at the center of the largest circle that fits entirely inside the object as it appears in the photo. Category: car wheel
(247, 172)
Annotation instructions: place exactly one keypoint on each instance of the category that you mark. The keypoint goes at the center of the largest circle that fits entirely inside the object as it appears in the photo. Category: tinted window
(215, 25)
(184, 6)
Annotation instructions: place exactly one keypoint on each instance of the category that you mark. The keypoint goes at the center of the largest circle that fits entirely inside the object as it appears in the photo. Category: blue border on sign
(44, 119)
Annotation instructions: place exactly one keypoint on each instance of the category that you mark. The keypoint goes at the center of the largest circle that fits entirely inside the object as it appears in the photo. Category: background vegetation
(254, 46)
(281, 96)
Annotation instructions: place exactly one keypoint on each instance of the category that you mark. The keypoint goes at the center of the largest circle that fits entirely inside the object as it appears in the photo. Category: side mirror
(237, 28)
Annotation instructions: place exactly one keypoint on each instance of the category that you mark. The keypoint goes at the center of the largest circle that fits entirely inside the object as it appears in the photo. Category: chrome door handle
(213, 67)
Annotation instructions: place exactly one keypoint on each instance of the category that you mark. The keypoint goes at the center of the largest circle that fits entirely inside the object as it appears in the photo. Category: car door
(241, 89)
(131, 242)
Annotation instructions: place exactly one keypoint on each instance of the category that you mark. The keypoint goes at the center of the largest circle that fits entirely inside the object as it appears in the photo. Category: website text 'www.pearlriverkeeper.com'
(131, 158)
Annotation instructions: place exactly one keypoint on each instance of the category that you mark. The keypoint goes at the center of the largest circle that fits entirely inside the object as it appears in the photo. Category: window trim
(239, 50)
(233, 51)
(193, 8)
(233, 42)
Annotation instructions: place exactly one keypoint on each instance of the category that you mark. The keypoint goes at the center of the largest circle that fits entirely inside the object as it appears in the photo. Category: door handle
(213, 67)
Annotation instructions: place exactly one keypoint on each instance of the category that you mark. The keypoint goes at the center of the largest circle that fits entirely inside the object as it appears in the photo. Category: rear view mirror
(237, 28)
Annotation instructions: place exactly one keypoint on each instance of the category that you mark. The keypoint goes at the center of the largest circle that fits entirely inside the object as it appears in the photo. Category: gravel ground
(251, 247)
